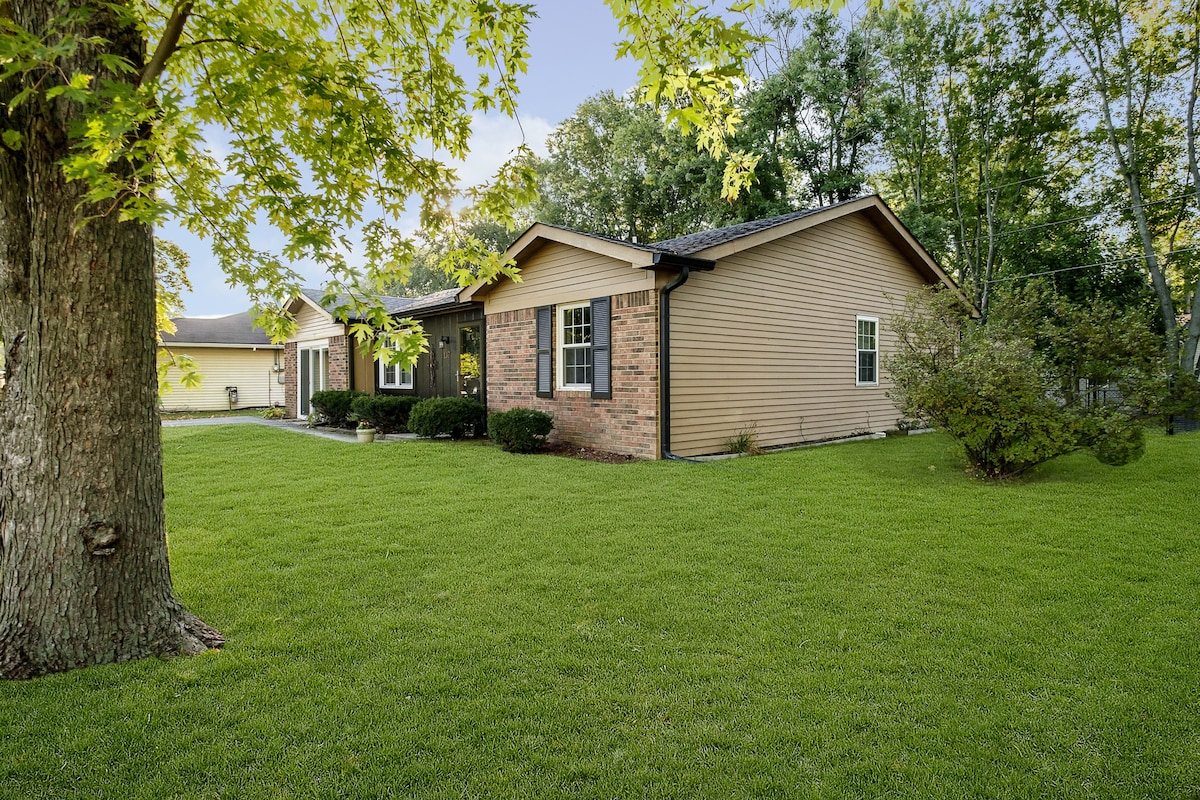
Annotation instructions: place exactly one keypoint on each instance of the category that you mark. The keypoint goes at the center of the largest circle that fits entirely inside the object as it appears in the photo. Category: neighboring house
(238, 364)
(321, 353)
(776, 326)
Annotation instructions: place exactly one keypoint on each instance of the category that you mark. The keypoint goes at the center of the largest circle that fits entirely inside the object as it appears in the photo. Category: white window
(868, 351)
(394, 376)
(575, 346)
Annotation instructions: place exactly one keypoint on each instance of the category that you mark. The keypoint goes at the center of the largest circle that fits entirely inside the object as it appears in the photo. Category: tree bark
(84, 577)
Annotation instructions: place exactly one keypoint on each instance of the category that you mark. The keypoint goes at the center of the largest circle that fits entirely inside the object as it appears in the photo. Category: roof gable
(713, 245)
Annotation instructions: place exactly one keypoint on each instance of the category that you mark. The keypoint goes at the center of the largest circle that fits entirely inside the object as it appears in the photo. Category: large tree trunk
(83, 558)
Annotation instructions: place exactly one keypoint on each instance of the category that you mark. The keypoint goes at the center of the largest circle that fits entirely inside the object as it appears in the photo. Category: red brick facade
(289, 379)
(628, 423)
(339, 362)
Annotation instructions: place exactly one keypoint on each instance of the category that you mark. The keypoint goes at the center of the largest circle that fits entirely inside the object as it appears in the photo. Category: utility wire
(1052, 223)
(1141, 257)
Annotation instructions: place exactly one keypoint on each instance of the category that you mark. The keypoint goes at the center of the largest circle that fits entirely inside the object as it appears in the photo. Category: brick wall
(289, 378)
(628, 423)
(339, 362)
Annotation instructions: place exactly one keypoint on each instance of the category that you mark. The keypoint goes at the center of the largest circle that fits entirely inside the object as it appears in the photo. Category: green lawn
(443, 621)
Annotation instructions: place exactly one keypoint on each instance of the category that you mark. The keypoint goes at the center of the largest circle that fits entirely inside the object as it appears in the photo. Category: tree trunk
(84, 577)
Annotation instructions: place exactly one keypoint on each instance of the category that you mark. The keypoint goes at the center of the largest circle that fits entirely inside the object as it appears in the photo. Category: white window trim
(301, 349)
(859, 350)
(403, 373)
(560, 349)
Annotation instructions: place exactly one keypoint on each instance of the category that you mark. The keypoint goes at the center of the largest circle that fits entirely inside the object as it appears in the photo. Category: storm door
(312, 375)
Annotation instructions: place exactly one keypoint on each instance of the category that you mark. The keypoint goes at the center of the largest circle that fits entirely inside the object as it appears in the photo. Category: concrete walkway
(295, 426)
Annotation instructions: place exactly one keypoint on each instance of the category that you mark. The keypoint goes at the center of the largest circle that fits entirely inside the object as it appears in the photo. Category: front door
(312, 374)
(470, 361)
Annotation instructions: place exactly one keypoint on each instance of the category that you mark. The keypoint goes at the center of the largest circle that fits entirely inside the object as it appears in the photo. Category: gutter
(685, 265)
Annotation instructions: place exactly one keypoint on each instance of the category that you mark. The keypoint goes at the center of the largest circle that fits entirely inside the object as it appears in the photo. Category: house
(239, 366)
(776, 326)
(321, 353)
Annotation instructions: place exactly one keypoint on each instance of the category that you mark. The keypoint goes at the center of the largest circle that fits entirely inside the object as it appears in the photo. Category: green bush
(986, 391)
(520, 430)
(1115, 439)
(999, 395)
(385, 413)
(333, 406)
(455, 417)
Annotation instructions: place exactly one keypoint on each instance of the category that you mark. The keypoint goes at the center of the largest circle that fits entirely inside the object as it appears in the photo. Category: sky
(572, 57)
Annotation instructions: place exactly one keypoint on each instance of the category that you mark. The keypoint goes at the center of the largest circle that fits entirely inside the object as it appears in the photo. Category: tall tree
(330, 109)
(614, 169)
(1130, 69)
(981, 142)
(101, 137)
(817, 111)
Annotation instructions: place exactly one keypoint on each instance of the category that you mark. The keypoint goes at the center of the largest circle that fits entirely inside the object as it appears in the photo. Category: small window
(575, 346)
(868, 351)
(394, 376)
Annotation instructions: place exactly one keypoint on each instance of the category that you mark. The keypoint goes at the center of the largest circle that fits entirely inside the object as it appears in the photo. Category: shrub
(333, 405)
(274, 412)
(455, 417)
(1114, 439)
(997, 394)
(385, 413)
(520, 430)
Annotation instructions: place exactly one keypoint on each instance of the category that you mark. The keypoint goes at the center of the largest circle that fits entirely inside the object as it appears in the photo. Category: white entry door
(312, 374)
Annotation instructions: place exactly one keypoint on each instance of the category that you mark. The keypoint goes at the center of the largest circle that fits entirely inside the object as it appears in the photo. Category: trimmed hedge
(333, 406)
(385, 413)
(456, 417)
(520, 430)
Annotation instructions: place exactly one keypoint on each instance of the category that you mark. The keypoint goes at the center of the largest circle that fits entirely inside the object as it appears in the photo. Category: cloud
(495, 139)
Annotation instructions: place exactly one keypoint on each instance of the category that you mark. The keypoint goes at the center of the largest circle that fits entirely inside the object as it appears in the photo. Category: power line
(1052, 223)
(1141, 257)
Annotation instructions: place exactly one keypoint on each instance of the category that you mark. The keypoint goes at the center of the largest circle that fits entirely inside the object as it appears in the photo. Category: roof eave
(223, 345)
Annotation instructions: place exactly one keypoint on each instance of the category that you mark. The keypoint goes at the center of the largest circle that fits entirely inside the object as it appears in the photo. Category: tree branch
(169, 42)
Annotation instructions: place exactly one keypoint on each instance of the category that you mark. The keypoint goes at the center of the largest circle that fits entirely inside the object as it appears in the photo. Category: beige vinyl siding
(312, 324)
(769, 339)
(364, 368)
(559, 273)
(251, 371)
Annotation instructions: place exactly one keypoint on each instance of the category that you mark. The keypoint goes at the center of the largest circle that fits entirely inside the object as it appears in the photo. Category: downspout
(685, 266)
(664, 365)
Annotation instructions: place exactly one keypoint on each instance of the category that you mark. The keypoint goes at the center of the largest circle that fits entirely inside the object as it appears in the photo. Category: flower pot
(366, 435)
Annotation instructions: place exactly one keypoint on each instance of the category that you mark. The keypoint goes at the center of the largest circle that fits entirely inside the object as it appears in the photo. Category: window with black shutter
(545, 352)
(602, 348)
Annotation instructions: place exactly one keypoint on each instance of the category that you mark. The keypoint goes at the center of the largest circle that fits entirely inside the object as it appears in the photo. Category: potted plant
(365, 432)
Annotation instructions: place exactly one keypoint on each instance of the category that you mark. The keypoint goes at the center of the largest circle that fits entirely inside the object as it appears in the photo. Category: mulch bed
(586, 453)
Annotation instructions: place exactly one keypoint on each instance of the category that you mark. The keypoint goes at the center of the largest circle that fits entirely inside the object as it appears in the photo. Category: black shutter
(602, 348)
(545, 352)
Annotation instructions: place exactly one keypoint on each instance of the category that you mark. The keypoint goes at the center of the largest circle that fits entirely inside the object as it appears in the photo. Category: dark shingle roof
(649, 248)
(393, 305)
(230, 329)
(696, 242)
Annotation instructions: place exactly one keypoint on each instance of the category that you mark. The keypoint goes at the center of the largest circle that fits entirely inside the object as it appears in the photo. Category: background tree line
(1018, 140)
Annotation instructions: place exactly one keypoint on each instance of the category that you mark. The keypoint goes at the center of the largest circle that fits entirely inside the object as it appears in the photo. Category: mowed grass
(446, 620)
